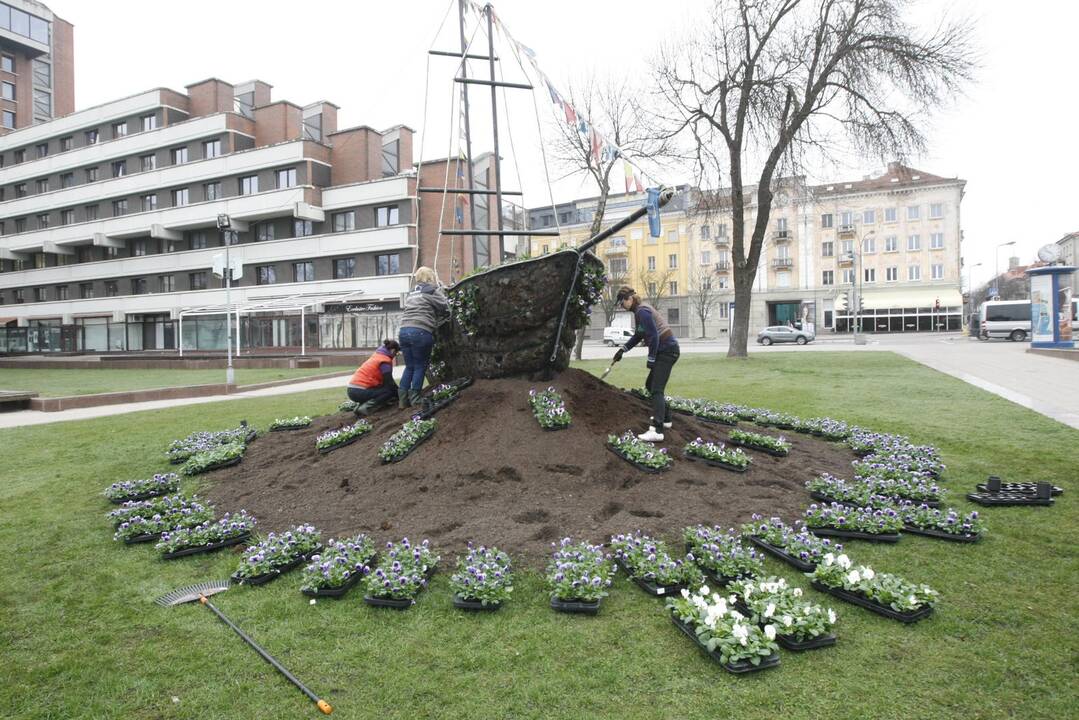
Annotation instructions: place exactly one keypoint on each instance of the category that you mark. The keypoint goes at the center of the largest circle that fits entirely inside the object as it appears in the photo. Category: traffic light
(861, 304)
(844, 299)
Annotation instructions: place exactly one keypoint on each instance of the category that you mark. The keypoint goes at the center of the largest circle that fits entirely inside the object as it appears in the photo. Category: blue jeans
(416, 345)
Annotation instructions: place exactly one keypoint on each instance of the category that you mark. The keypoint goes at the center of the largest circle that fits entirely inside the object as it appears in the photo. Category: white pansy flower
(770, 632)
(843, 561)
(853, 577)
(829, 558)
(831, 616)
(736, 615)
(705, 591)
(770, 610)
(913, 600)
(685, 593)
(787, 620)
(796, 592)
(868, 573)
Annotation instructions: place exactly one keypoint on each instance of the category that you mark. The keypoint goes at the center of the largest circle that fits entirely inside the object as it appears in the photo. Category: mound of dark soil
(491, 475)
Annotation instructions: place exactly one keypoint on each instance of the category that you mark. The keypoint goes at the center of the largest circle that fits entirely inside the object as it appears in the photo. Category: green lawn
(55, 382)
(81, 638)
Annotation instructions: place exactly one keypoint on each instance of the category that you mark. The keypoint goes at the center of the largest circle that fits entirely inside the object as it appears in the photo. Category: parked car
(783, 333)
(616, 335)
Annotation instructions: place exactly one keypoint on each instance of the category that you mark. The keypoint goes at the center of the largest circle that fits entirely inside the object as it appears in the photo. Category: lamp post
(970, 291)
(996, 265)
(223, 224)
(859, 338)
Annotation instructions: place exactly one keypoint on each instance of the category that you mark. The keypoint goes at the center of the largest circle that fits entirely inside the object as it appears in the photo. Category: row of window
(891, 274)
(869, 217)
(91, 137)
(23, 23)
(891, 244)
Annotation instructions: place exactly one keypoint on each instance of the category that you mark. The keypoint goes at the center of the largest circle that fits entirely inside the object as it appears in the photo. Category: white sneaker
(666, 425)
(651, 435)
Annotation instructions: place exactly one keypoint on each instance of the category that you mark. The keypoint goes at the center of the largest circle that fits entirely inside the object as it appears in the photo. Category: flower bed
(483, 580)
(578, 576)
(407, 439)
(220, 457)
(800, 625)
(333, 439)
(549, 409)
(884, 594)
(180, 451)
(873, 491)
(944, 524)
(686, 406)
(777, 446)
(231, 529)
(338, 567)
(885, 468)
(294, 423)
(794, 545)
(877, 524)
(650, 565)
(134, 490)
(145, 508)
(715, 413)
(638, 453)
(146, 527)
(826, 428)
(277, 554)
(401, 575)
(723, 632)
(717, 454)
(783, 421)
(721, 554)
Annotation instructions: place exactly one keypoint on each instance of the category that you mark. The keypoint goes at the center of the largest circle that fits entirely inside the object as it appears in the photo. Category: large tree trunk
(743, 294)
(578, 347)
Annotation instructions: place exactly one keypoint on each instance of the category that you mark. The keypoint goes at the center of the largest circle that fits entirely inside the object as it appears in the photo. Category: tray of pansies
(136, 490)
(180, 451)
(826, 429)
(721, 554)
(549, 409)
(578, 576)
(222, 456)
(775, 446)
(723, 633)
(780, 421)
(877, 524)
(683, 406)
(800, 625)
(401, 574)
(882, 593)
(294, 423)
(942, 524)
(148, 527)
(232, 529)
(641, 393)
(338, 567)
(716, 455)
(483, 579)
(403, 442)
(794, 545)
(443, 395)
(276, 554)
(649, 564)
(716, 414)
(147, 508)
(333, 439)
(640, 454)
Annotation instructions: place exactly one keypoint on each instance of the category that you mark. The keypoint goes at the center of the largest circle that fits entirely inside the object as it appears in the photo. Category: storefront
(924, 310)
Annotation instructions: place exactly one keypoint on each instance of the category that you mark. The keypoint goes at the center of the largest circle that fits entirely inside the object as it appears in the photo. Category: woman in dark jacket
(663, 353)
(425, 309)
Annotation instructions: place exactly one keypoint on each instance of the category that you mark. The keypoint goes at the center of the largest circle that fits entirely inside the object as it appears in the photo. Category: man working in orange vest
(372, 384)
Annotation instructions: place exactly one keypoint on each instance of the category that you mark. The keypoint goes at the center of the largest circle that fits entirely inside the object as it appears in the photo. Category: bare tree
(767, 85)
(609, 304)
(653, 284)
(703, 295)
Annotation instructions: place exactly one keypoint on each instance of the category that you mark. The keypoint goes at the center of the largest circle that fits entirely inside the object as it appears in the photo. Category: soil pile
(490, 474)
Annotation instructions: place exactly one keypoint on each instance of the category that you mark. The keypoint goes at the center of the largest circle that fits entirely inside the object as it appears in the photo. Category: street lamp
(970, 290)
(223, 224)
(859, 338)
(996, 265)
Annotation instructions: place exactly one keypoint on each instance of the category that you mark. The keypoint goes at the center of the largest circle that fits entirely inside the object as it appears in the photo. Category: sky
(1012, 136)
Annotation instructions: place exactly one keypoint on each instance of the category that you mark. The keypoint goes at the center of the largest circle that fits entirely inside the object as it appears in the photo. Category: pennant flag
(595, 145)
(571, 114)
(460, 215)
(555, 98)
(628, 170)
(463, 199)
(637, 181)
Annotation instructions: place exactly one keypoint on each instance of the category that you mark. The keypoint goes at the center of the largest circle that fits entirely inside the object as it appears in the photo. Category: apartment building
(37, 78)
(109, 223)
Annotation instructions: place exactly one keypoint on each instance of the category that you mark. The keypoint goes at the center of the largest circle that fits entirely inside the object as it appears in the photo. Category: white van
(1004, 319)
(616, 336)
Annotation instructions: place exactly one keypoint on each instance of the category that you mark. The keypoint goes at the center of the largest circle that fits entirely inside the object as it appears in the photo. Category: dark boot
(403, 400)
(414, 396)
(367, 408)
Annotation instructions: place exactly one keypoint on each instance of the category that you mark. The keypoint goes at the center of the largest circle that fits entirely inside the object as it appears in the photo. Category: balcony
(782, 263)
(845, 259)
(781, 236)
(846, 231)
(723, 266)
(612, 249)
(722, 240)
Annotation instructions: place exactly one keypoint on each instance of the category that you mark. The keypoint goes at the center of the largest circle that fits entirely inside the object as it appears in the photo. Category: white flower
(912, 600)
(829, 558)
(770, 632)
(740, 631)
(843, 561)
(312, 601)
(796, 592)
(868, 573)
(787, 620)
(736, 615)
(770, 610)
(831, 616)
(705, 591)
(853, 577)
(685, 593)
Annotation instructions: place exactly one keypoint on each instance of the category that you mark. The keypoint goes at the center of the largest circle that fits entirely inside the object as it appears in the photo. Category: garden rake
(201, 592)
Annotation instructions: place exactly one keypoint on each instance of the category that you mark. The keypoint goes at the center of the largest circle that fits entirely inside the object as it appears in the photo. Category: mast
(468, 129)
(489, 9)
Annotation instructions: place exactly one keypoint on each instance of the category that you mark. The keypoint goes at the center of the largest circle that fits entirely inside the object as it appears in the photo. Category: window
(179, 197)
(39, 260)
(673, 316)
(211, 149)
(149, 122)
(232, 237)
(249, 185)
(673, 287)
(8, 120)
(387, 264)
(672, 262)
(91, 212)
(826, 220)
(119, 207)
(139, 286)
(781, 225)
(891, 244)
(43, 185)
(264, 231)
(706, 257)
(85, 253)
(17, 296)
(619, 266)
(827, 277)
(91, 174)
(869, 217)
(936, 210)
(721, 230)
(119, 129)
(848, 277)
(138, 248)
(61, 292)
(869, 275)
(914, 272)
(914, 242)
(198, 240)
(386, 216)
(285, 178)
(112, 252)
(7, 63)
(42, 150)
(149, 202)
(166, 283)
(67, 217)
(302, 228)
(41, 294)
(66, 143)
(178, 155)
(344, 221)
(305, 271)
(936, 241)
(213, 191)
(869, 245)
(846, 247)
(706, 283)
(705, 230)
(119, 168)
(171, 246)
(265, 275)
(20, 225)
(390, 158)
(344, 268)
(110, 288)
(91, 137)
(914, 212)
(67, 180)
(20, 190)
(651, 262)
(197, 280)
(889, 215)
(149, 162)
(43, 220)
(938, 271)
(86, 291)
(846, 218)
(672, 236)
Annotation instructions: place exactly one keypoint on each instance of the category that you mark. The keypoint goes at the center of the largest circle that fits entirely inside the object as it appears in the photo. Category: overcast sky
(1013, 138)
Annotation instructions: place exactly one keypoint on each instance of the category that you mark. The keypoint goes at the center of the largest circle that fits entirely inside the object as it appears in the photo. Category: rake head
(191, 593)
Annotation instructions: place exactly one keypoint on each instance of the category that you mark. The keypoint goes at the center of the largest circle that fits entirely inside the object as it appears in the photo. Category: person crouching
(372, 384)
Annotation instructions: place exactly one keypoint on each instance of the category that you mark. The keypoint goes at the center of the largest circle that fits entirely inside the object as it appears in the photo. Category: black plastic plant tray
(642, 468)
(433, 408)
(136, 539)
(989, 499)
(723, 580)
(140, 497)
(656, 590)
(716, 421)
(873, 606)
(782, 554)
(738, 668)
(335, 592)
(940, 534)
(275, 573)
(575, 607)
(343, 443)
(554, 428)
(1026, 488)
(474, 605)
(927, 503)
(290, 428)
(682, 411)
(404, 604)
(714, 463)
(854, 534)
(420, 441)
(766, 451)
(220, 465)
(788, 642)
(863, 453)
(179, 461)
(199, 549)
(460, 383)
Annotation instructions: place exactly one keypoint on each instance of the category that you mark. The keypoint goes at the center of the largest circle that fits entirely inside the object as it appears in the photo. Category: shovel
(608, 370)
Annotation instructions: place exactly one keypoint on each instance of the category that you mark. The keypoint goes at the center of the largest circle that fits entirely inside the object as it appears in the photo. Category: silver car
(783, 333)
